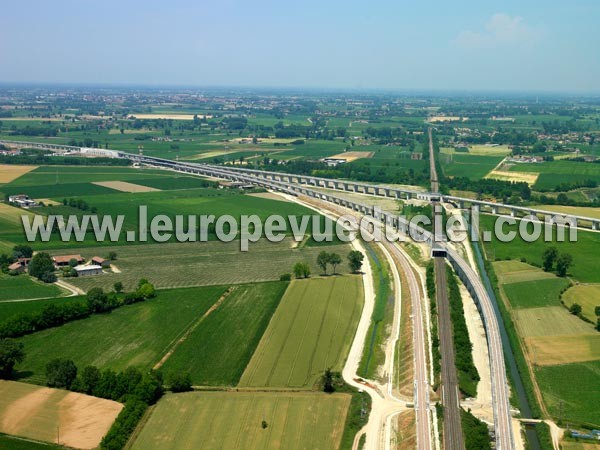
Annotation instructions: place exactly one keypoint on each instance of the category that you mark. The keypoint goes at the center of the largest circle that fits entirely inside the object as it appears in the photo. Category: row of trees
(137, 389)
(97, 301)
(551, 257)
(324, 259)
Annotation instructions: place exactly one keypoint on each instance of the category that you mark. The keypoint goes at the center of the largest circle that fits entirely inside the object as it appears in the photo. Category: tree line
(324, 260)
(53, 315)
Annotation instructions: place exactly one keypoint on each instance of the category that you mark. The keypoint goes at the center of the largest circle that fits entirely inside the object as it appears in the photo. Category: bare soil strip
(353, 156)
(10, 172)
(124, 186)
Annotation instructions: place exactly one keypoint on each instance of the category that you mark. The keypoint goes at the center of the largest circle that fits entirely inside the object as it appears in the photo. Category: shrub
(60, 373)
(180, 382)
(126, 421)
(285, 277)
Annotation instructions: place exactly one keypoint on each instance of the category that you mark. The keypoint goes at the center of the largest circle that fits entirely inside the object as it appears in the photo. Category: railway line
(453, 435)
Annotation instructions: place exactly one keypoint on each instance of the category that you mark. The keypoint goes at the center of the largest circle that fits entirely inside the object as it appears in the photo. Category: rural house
(63, 260)
(98, 261)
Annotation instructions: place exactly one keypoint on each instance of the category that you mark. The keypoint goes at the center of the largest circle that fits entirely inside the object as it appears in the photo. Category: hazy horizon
(504, 47)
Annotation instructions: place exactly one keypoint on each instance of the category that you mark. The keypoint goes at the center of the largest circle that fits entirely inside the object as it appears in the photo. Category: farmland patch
(37, 412)
(235, 420)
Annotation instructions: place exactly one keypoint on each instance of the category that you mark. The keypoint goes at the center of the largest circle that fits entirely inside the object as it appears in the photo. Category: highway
(295, 185)
(453, 436)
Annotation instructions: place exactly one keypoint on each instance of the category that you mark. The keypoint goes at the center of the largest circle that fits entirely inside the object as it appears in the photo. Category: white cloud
(500, 30)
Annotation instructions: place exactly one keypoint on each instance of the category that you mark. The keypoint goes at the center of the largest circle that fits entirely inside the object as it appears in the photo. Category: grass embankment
(515, 346)
(404, 348)
(463, 347)
(383, 315)
(357, 417)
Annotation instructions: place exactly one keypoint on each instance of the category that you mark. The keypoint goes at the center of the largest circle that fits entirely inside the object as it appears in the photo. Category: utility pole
(560, 411)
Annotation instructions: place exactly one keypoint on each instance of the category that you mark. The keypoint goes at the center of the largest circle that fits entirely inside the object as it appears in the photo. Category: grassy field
(228, 420)
(549, 321)
(479, 150)
(557, 345)
(516, 272)
(577, 386)
(547, 292)
(37, 412)
(555, 173)
(197, 264)
(24, 287)
(8, 309)
(468, 165)
(14, 443)
(381, 321)
(584, 250)
(218, 350)
(134, 335)
(587, 295)
(564, 348)
(311, 330)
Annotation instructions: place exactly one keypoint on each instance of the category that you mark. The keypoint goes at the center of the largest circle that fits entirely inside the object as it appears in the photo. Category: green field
(555, 173)
(228, 420)
(549, 321)
(383, 314)
(311, 330)
(218, 350)
(577, 386)
(8, 309)
(25, 287)
(584, 250)
(189, 203)
(535, 293)
(15, 443)
(134, 335)
(470, 166)
(587, 295)
(203, 263)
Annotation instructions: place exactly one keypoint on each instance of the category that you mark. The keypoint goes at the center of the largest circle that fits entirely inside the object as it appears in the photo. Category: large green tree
(11, 353)
(334, 260)
(61, 373)
(563, 262)
(548, 258)
(42, 267)
(323, 260)
(355, 260)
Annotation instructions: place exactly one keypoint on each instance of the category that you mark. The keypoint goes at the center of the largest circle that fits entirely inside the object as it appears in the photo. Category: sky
(509, 45)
